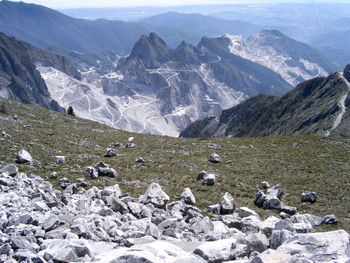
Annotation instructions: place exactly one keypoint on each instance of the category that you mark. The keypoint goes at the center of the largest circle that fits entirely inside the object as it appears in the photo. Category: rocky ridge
(41, 224)
(318, 106)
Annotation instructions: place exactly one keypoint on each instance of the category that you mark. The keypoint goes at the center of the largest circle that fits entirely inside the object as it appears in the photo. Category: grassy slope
(298, 163)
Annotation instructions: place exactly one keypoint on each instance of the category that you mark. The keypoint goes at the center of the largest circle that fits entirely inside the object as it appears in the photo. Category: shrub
(70, 111)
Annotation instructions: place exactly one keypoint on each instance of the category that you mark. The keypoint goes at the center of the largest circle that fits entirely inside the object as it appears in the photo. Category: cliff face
(19, 78)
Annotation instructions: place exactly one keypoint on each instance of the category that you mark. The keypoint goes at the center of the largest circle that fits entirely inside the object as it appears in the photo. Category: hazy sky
(126, 3)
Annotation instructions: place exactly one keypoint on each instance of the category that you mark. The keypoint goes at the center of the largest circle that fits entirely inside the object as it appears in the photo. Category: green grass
(307, 163)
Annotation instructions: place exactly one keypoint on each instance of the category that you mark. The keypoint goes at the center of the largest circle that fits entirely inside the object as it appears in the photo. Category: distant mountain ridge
(50, 29)
(318, 106)
(200, 25)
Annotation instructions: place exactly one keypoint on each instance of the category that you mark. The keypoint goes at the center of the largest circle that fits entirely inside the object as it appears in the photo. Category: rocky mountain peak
(151, 50)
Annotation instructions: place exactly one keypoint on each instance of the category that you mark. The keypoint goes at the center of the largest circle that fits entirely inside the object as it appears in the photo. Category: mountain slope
(318, 106)
(19, 78)
(295, 162)
(293, 60)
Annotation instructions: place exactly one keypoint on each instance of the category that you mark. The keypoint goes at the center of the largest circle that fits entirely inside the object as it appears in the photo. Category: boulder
(187, 197)
(290, 210)
(273, 256)
(118, 205)
(257, 242)
(278, 237)
(5, 249)
(319, 247)
(111, 152)
(50, 223)
(24, 157)
(104, 170)
(40, 206)
(67, 250)
(330, 220)
(214, 158)
(260, 198)
(245, 212)
(19, 242)
(131, 139)
(64, 182)
(59, 159)
(209, 179)
(112, 191)
(155, 252)
(53, 175)
(91, 172)
(227, 204)
(309, 197)
(202, 225)
(139, 160)
(304, 223)
(9, 170)
(201, 175)
(221, 250)
(155, 195)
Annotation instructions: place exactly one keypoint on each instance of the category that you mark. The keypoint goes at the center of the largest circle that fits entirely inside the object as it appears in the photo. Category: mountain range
(161, 90)
(155, 89)
(318, 106)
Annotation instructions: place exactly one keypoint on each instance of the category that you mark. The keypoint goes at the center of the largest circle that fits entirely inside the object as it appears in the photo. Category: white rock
(187, 197)
(257, 242)
(209, 179)
(320, 247)
(156, 252)
(155, 195)
(221, 250)
(110, 152)
(131, 139)
(24, 157)
(227, 204)
(214, 158)
(9, 170)
(59, 159)
(272, 256)
(245, 212)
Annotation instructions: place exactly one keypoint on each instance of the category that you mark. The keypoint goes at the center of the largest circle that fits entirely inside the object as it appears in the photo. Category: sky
(130, 3)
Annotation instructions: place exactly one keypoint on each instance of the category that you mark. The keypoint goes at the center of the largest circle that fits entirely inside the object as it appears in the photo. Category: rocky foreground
(41, 224)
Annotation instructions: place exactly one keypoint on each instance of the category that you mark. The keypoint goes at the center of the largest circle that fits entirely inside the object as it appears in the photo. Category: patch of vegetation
(305, 163)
